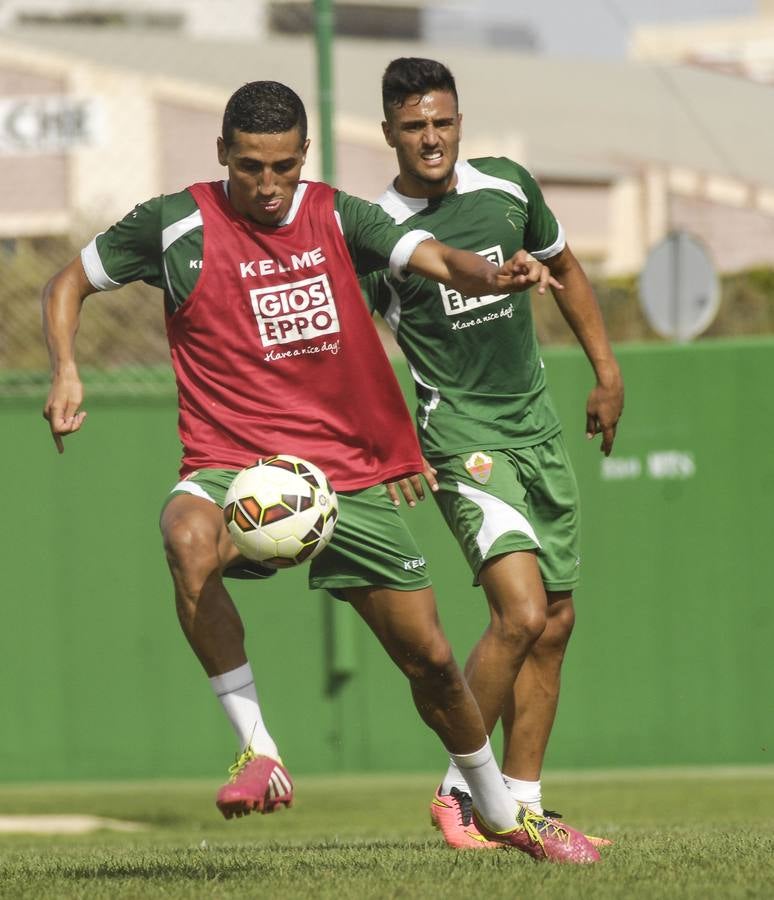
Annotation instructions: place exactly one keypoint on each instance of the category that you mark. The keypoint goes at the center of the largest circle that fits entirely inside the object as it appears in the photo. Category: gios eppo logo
(298, 311)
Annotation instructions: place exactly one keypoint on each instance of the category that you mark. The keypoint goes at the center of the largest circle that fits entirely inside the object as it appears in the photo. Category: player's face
(425, 134)
(263, 173)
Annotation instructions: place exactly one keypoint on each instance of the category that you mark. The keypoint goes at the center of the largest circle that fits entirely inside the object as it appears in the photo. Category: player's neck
(410, 186)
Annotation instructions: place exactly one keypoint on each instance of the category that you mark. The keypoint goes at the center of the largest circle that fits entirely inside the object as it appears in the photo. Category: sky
(591, 28)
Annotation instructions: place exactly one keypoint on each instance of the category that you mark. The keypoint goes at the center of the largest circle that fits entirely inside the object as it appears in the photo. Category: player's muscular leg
(529, 714)
(407, 625)
(198, 548)
(517, 607)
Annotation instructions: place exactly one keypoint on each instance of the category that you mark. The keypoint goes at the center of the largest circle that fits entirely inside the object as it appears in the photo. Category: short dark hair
(263, 107)
(411, 75)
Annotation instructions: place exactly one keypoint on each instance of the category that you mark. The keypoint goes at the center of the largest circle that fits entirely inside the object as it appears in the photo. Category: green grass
(690, 834)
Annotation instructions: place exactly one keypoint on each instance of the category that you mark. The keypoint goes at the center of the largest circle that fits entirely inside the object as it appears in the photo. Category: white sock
(238, 697)
(454, 778)
(528, 793)
(491, 797)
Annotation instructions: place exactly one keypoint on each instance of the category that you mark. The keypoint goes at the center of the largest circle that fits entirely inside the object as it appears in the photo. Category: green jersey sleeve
(373, 238)
(130, 250)
(543, 234)
(155, 243)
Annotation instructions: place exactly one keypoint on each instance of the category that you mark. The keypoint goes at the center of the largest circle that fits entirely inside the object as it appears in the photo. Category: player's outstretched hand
(603, 410)
(412, 487)
(522, 271)
(63, 407)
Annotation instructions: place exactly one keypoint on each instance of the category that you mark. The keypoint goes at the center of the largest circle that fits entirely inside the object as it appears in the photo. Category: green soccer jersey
(161, 243)
(475, 360)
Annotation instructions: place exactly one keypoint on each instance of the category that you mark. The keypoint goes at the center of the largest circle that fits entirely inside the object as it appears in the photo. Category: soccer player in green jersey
(485, 419)
(253, 371)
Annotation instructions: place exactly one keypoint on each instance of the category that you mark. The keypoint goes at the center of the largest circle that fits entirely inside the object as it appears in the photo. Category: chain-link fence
(122, 347)
(121, 343)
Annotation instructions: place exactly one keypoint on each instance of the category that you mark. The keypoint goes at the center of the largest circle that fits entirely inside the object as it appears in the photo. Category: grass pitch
(679, 834)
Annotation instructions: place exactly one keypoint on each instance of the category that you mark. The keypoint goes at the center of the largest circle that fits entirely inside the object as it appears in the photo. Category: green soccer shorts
(500, 501)
(371, 543)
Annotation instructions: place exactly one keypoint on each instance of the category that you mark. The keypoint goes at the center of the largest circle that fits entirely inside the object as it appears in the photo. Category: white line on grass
(62, 824)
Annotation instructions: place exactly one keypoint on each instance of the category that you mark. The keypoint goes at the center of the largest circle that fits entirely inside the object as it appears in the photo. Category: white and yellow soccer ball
(281, 511)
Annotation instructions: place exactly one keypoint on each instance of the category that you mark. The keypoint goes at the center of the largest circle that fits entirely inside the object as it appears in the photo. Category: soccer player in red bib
(274, 352)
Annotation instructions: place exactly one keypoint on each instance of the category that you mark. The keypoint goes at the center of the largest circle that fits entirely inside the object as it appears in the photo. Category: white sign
(679, 289)
(47, 124)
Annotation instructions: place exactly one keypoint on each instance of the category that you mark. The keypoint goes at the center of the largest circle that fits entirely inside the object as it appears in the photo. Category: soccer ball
(280, 511)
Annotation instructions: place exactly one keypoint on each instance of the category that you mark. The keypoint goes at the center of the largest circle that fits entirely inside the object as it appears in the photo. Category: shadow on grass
(351, 858)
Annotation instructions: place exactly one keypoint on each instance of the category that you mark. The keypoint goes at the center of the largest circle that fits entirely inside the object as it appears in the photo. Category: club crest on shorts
(479, 466)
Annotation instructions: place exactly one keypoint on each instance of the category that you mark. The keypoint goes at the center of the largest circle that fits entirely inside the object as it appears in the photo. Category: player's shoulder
(357, 213)
(321, 187)
(342, 199)
(319, 193)
(504, 168)
(398, 207)
(162, 210)
(177, 206)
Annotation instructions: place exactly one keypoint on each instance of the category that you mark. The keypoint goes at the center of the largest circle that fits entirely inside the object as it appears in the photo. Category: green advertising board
(669, 663)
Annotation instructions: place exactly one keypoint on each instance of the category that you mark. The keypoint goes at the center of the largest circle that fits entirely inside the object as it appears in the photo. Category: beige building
(742, 46)
(93, 121)
(194, 18)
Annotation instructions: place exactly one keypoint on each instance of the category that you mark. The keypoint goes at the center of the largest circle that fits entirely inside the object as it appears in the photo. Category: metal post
(323, 15)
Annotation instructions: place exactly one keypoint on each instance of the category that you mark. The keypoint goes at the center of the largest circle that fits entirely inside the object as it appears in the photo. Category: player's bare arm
(62, 299)
(581, 311)
(472, 275)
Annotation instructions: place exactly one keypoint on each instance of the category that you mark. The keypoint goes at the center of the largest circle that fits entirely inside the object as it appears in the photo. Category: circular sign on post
(679, 289)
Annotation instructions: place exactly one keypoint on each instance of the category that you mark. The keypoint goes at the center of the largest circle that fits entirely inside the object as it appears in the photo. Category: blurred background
(646, 123)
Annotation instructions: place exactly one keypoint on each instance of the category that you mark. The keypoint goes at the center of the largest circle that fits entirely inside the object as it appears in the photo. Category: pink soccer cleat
(599, 841)
(452, 815)
(591, 838)
(256, 783)
(543, 839)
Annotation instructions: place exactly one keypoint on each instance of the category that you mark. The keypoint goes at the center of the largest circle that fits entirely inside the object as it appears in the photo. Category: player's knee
(561, 621)
(533, 623)
(432, 661)
(524, 623)
(191, 551)
(559, 627)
